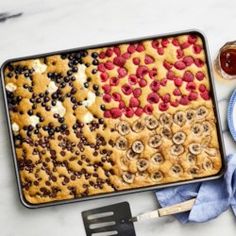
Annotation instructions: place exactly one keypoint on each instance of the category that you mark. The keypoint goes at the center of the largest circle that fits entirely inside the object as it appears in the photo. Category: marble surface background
(49, 25)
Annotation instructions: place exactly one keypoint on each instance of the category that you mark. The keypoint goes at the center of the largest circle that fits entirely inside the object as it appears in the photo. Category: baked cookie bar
(107, 119)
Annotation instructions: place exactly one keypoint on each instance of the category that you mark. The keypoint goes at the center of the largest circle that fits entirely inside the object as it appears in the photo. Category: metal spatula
(117, 219)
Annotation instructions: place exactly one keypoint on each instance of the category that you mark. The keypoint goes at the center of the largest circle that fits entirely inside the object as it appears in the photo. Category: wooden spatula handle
(177, 208)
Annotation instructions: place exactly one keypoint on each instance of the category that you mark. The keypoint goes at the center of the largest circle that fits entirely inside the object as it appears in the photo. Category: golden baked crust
(113, 118)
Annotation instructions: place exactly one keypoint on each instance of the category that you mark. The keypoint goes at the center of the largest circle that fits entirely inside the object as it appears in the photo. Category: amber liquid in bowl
(225, 63)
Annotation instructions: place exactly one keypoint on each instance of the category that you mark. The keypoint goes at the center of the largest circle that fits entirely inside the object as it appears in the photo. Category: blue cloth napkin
(212, 197)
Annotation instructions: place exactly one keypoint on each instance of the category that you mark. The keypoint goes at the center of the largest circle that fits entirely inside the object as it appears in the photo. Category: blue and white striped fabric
(212, 197)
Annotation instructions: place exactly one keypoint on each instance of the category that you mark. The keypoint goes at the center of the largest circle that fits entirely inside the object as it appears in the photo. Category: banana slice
(206, 127)
(197, 129)
(176, 169)
(137, 146)
(142, 164)
(157, 158)
(180, 118)
(123, 128)
(165, 119)
(190, 115)
(179, 137)
(155, 141)
(151, 122)
(195, 148)
(210, 151)
(124, 163)
(177, 150)
(205, 141)
(132, 155)
(157, 176)
(201, 113)
(128, 177)
(194, 170)
(166, 132)
(191, 158)
(207, 164)
(141, 174)
(138, 126)
(122, 143)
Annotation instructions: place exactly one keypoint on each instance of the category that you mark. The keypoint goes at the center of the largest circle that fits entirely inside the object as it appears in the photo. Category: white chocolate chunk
(39, 67)
(52, 88)
(59, 109)
(81, 75)
(87, 118)
(34, 120)
(15, 127)
(90, 99)
(11, 87)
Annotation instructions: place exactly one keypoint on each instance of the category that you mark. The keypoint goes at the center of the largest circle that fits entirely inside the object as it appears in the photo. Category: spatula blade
(109, 220)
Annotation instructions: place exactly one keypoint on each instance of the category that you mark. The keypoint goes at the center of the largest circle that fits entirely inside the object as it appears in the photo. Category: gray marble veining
(49, 25)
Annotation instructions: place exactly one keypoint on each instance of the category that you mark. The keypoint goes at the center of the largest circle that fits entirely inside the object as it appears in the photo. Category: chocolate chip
(94, 54)
(94, 71)
(95, 62)
(95, 87)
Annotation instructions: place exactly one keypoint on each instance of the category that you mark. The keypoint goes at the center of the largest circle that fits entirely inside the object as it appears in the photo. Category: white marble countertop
(49, 25)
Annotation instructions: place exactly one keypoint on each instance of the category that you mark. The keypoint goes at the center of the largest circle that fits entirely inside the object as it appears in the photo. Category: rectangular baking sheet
(214, 100)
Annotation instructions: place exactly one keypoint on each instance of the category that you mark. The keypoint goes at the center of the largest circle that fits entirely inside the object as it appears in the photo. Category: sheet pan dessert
(112, 118)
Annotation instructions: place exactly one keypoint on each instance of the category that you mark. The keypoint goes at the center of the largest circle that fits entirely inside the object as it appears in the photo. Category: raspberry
(141, 71)
(164, 43)
(126, 55)
(140, 48)
(129, 112)
(117, 51)
(122, 72)
(205, 95)
(109, 65)
(163, 106)
(167, 65)
(101, 68)
(153, 98)
(152, 73)
(131, 48)
(109, 52)
(137, 92)
(198, 62)
(184, 100)
(114, 81)
(116, 96)
(119, 61)
(185, 45)
(107, 114)
(106, 98)
(126, 89)
(148, 59)
(155, 44)
(160, 51)
(180, 53)
(179, 65)
(148, 109)
(170, 75)
(133, 79)
(202, 88)
(197, 48)
(174, 103)
(175, 42)
(188, 60)
(115, 112)
(136, 60)
(178, 82)
(138, 111)
(104, 76)
(142, 83)
(193, 96)
(177, 92)
(191, 86)
(134, 102)
(166, 98)
(122, 105)
(163, 82)
(192, 38)
(106, 88)
(102, 55)
(188, 76)
(200, 75)
(155, 85)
